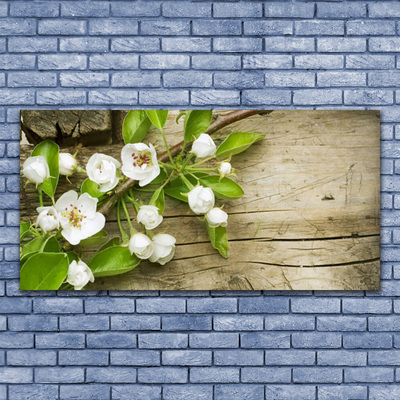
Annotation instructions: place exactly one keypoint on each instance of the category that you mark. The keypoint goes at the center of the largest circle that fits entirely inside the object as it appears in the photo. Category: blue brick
(16, 375)
(389, 44)
(111, 26)
(238, 357)
(368, 97)
(10, 270)
(239, 392)
(286, 45)
(18, 26)
(3, 9)
(342, 358)
(186, 357)
(261, 340)
(341, 323)
(370, 61)
(179, 392)
(289, 79)
(17, 61)
(270, 27)
(111, 340)
(317, 96)
(12, 150)
(3, 322)
(214, 375)
(62, 61)
(193, 45)
(33, 392)
(187, 323)
(164, 61)
(368, 374)
(113, 61)
(365, 27)
(31, 357)
(386, 133)
(165, 28)
(87, 45)
(216, 62)
(135, 44)
(162, 375)
(240, 323)
(63, 97)
(90, 391)
(214, 340)
(367, 341)
(321, 340)
(317, 375)
(217, 97)
(237, 10)
(288, 10)
(384, 10)
(85, 9)
(386, 323)
(290, 392)
(325, 306)
(110, 375)
(367, 306)
(289, 323)
(178, 79)
(135, 322)
(129, 9)
(255, 305)
(160, 306)
(344, 392)
(15, 306)
(346, 10)
(266, 375)
(84, 323)
(317, 27)
(11, 254)
(83, 79)
(61, 27)
(212, 305)
(83, 357)
(32, 45)
(163, 340)
(266, 97)
(384, 392)
(319, 61)
(237, 45)
(109, 306)
(186, 10)
(341, 45)
(36, 9)
(290, 357)
(32, 323)
(16, 340)
(217, 27)
(135, 357)
(60, 375)
(57, 306)
(136, 392)
(384, 357)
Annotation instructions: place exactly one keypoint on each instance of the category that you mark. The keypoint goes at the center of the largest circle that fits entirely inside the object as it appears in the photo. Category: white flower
(35, 169)
(67, 164)
(141, 245)
(102, 169)
(149, 217)
(164, 248)
(201, 199)
(78, 217)
(48, 219)
(204, 146)
(79, 274)
(225, 168)
(217, 217)
(139, 162)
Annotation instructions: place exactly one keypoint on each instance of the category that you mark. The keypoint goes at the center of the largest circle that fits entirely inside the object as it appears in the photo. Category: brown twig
(220, 122)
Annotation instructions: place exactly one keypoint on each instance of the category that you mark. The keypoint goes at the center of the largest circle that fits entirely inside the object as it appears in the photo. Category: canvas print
(199, 200)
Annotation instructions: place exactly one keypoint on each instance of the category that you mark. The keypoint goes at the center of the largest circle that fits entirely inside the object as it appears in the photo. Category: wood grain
(309, 218)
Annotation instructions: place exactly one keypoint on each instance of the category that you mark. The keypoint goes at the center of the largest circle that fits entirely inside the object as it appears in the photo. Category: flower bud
(164, 248)
(141, 245)
(217, 217)
(204, 146)
(35, 169)
(67, 164)
(201, 199)
(79, 274)
(149, 217)
(102, 169)
(48, 219)
(225, 168)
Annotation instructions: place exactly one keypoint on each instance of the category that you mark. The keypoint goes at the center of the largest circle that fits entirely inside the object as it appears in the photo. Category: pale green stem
(167, 147)
(40, 192)
(202, 169)
(124, 235)
(186, 181)
(190, 156)
(166, 165)
(132, 230)
(203, 161)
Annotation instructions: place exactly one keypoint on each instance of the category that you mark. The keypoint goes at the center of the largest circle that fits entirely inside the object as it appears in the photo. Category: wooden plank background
(309, 218)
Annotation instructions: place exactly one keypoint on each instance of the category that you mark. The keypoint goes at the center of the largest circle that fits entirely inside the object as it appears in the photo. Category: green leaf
(237, 142)
(72, 256)
(160, 178)
(44, 271)
(49, 150)
(196, 122)
(219, 239)
(94, 240)
(158, 200)
(32, 246)
(113, 260)
(223, 189)
(24, 228)
(51, 245)
(135, 126)
(157, 117)
(115, 241)
(91, 188)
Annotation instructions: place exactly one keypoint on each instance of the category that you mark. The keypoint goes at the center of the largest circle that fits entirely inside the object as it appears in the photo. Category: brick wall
(199, 345)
